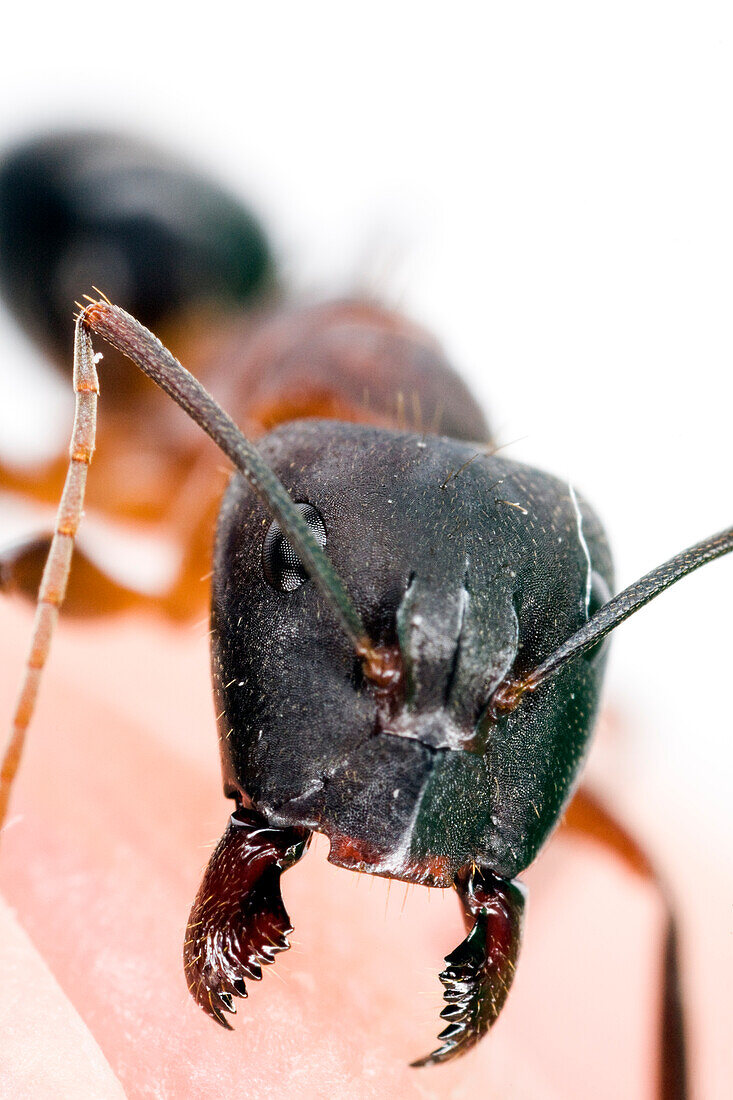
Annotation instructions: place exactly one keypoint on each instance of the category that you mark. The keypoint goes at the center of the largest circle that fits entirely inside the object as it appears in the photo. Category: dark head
(471, 569)
(479, 582)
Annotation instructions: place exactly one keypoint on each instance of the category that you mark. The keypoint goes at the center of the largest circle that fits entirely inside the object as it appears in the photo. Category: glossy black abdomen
(85, 209)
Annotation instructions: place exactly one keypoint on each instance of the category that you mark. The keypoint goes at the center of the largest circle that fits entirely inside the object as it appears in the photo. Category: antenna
(613, 613)
(126, 334)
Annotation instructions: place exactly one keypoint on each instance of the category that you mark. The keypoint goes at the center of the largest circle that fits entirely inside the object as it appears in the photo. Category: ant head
(465, 567)
(423, 691)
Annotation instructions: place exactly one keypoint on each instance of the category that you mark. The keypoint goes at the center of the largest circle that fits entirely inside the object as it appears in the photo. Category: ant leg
(191, 520)
(238, 922)
(94, 590)
(480, 971)
(90, 591)
(43, 482)
(587, 817)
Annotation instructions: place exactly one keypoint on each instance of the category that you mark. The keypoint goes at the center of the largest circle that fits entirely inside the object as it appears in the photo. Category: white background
(549, 187)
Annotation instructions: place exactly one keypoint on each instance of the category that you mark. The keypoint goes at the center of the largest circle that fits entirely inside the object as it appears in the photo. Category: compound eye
(281, 565)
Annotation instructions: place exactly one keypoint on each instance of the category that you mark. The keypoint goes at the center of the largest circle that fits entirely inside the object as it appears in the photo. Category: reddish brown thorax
(347, 360)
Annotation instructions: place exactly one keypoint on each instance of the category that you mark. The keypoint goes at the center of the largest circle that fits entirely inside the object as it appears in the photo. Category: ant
(407, 628)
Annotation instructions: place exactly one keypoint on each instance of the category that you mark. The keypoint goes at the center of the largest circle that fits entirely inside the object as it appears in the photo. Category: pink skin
(116, 810)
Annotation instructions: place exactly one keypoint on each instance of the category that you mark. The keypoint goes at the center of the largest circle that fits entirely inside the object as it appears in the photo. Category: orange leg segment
(588, 817)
